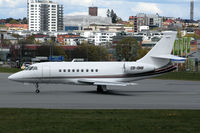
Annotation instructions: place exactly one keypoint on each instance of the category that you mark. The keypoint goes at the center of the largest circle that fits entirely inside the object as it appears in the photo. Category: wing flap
(92, 82)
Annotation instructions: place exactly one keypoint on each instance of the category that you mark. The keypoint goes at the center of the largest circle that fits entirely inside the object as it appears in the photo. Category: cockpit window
(31, 68)
(26, 68)
(35, 68)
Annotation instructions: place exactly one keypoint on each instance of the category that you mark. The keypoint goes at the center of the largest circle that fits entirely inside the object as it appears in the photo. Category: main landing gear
(101, 88)
(37, 88)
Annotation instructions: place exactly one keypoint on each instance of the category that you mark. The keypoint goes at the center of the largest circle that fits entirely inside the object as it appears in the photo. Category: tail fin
(160, 54)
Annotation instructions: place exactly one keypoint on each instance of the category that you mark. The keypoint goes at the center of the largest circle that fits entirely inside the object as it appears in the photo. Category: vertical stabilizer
(163, 47)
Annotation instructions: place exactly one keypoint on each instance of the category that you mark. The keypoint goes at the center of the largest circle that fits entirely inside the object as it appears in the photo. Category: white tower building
(45, 15)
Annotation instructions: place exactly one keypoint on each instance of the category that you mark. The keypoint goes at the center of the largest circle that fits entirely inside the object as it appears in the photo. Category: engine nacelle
(132, 68)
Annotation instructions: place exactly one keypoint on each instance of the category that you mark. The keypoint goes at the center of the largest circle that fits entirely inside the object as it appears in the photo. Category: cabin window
(60, 70)
(82, 70)
(87, 70)
(96, 70)
(68, 70)
(73, 70)
(92, 70)
(64, 70)
(77, 70)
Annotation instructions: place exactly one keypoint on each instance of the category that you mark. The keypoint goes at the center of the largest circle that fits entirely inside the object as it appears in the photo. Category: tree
(24, 21)
(113, 16)
(6, 42)
(13, 22)
(28, 40)
(108, 13)
(8, 20)
(45, 51)
(90, 52)
(1, 56)
(142, 52)
(128, 49)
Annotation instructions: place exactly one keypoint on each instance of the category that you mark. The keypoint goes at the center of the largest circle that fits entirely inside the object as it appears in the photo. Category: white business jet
(103, 74)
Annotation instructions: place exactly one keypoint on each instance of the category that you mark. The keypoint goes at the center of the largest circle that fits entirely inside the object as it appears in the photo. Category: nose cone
(15, 77)
(12, 77)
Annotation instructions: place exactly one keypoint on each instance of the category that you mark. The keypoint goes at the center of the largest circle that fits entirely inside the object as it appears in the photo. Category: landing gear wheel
(37, 90)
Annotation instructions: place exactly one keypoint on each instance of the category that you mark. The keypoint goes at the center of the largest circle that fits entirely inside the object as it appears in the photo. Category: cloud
(14, 13)
(123, 8)
(84, 3)
(76, 13)
(102, 12)
(149, 8)
(12, 3)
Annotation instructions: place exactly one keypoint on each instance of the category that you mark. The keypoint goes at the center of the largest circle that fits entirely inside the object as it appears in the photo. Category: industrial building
(80, 21)
(45, 15)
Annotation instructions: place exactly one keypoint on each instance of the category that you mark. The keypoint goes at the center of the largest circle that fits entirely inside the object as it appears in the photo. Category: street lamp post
(53, 40)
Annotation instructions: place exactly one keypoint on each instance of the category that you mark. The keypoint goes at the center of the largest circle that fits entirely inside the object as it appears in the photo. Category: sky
(123, 8)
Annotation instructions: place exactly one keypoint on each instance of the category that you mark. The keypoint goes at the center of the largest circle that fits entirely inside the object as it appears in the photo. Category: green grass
(9, 70)
(99, 121)
(193, 76)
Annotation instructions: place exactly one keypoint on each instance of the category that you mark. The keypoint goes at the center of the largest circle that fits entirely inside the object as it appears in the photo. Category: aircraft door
(46, 73)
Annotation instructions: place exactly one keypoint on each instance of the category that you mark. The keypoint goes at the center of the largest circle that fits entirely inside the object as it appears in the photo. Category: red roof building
(17, 26)
(60, 38)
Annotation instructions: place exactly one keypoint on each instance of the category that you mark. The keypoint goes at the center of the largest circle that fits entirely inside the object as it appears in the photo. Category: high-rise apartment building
(142, 19)
(45, 15)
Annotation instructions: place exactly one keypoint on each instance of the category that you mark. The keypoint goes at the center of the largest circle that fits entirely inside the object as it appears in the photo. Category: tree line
(128, 49)
(16, 21)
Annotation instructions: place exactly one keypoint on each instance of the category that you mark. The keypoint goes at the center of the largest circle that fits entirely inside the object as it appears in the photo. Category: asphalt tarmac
(148, 94)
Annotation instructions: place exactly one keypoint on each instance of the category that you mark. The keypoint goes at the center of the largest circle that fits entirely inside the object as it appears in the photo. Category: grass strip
(99, 121)
(193, 76)
(9, 70)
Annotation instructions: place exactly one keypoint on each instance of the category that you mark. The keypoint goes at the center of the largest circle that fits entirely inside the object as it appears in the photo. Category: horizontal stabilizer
(170, 57)
(92, 82)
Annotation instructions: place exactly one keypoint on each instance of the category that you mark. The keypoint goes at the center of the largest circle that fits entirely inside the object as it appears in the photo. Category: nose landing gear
(37, 88)
(101, 88)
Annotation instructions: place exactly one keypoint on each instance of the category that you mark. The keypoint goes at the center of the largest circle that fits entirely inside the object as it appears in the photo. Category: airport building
(45, 15)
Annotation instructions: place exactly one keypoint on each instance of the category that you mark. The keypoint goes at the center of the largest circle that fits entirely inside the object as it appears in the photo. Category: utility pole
(53, 40)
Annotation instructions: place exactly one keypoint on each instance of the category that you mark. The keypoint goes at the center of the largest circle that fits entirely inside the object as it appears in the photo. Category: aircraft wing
(93, 82)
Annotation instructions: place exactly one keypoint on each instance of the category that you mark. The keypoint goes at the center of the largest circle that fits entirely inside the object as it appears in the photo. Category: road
(148, 94)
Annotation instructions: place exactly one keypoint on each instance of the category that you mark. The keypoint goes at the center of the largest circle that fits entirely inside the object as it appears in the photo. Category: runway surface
(148, 94)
